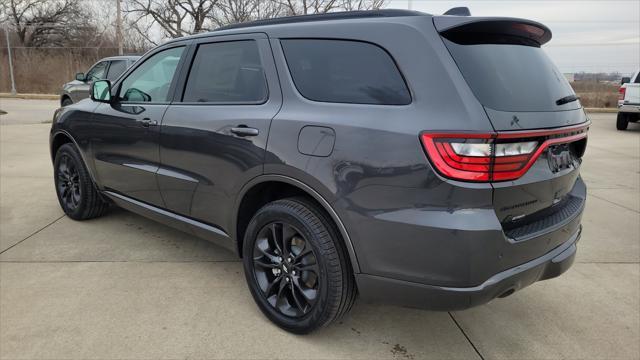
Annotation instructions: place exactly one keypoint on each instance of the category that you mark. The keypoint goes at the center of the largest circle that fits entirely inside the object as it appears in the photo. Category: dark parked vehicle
(426, 161)
(108, 68)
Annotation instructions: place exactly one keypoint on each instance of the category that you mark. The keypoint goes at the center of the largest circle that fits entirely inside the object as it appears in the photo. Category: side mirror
(80, 77)
(625, 80)
(101, 91)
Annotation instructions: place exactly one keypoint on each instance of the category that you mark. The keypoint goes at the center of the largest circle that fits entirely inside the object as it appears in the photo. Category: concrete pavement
(22, 111)
(122, 286)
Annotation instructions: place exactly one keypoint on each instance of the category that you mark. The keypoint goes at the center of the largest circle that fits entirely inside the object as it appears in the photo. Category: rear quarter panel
(378, 178)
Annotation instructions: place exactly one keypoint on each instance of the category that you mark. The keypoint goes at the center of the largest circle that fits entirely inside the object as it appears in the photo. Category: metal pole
(13, 82)
(119, 27)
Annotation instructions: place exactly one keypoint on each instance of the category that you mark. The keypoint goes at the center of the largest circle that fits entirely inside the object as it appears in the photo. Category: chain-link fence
(45, 70)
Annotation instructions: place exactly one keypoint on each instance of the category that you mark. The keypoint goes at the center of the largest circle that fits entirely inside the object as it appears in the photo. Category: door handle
(146, 122)
(244, 130)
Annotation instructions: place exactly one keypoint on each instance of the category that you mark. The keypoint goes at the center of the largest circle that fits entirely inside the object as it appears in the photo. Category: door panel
(125, 139)
(213, 145)
(126, 149)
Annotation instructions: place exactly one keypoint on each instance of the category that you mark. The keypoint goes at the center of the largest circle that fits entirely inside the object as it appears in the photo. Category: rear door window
(226, 72)
(344, 71)
(117, 67)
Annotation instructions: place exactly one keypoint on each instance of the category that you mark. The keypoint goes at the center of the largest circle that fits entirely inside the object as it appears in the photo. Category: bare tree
(351, 5)
(238, 11)
(176, 18)
(304, 7)
(44, 22)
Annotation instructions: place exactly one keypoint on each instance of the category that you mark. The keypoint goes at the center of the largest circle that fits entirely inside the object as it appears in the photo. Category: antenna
(458, 11)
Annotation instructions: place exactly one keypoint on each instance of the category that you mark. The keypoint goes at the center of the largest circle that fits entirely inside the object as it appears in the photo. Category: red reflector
(492, 168)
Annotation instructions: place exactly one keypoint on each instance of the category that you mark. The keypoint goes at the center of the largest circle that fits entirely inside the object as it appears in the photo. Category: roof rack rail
(458, 11)
(323, 17)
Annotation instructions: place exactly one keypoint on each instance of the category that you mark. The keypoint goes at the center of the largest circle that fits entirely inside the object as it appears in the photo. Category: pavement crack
(28, 237)
(465, 335)
(614, 203)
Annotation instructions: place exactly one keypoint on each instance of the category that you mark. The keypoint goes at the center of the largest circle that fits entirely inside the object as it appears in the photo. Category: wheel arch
(249, 202)
(57, 140)
(64, 97)
(61, 137)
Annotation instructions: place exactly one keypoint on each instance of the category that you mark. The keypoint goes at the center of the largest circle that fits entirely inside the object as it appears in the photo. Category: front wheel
(76, 192)
(622, 121)
(296, 267)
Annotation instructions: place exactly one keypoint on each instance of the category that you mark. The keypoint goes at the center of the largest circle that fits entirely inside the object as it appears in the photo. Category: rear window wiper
(567, 99)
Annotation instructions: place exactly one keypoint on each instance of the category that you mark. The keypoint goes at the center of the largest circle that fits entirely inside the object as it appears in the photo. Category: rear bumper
(629, 108)
(405, 293)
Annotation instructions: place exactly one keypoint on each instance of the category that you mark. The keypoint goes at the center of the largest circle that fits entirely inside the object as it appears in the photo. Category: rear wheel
(66, 102)
(622, 121)
(296, 267)
(76, 192)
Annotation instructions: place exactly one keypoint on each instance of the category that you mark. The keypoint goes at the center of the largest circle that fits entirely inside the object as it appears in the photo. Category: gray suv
(108, 68)
(426, 161)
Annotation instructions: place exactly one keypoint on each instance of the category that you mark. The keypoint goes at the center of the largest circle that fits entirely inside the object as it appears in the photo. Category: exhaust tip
(507, 293)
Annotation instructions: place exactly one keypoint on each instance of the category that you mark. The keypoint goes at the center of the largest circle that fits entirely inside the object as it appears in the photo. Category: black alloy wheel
(286, 269)
(297, 266)
(68, 182)
(77, 194)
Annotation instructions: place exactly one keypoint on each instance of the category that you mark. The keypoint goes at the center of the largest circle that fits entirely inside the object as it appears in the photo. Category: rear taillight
(621, 93)
(492, 156)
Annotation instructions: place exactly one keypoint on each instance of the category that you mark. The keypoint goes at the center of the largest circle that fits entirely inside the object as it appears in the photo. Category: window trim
(140, 62)
(178, 99)
(402, 76)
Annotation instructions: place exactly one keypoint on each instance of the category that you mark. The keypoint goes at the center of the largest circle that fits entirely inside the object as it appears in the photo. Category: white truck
(628, 101)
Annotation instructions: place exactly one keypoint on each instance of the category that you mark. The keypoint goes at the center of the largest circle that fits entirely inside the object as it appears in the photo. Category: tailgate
(538, 194)
(632, 94)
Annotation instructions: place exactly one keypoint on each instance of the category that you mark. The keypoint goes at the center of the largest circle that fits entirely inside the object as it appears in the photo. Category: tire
(320, 286)
(77, 194)
(622, 121)
(66, 102)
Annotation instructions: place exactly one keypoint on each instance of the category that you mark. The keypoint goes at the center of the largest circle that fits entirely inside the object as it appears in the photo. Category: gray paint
(405, 226)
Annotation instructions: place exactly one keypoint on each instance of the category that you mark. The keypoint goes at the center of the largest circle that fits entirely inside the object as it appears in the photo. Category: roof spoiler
(492, 30)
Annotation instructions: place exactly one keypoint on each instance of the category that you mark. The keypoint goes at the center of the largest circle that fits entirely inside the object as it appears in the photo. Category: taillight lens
(492, 156)
(621, 93)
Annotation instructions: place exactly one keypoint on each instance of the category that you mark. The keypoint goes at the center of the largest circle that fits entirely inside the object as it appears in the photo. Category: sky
(591, 36)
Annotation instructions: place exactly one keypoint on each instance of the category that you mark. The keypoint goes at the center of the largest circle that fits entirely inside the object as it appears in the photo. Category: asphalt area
(122, 286)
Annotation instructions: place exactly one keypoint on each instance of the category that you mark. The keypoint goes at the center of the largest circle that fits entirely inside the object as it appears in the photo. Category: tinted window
(117, 67)
(512, 77)
(150, 81)
(226, 72)
(97, 72)
(345, 72)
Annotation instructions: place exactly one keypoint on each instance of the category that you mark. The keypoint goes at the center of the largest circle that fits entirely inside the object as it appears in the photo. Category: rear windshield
(511, 77)
(344, 71)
